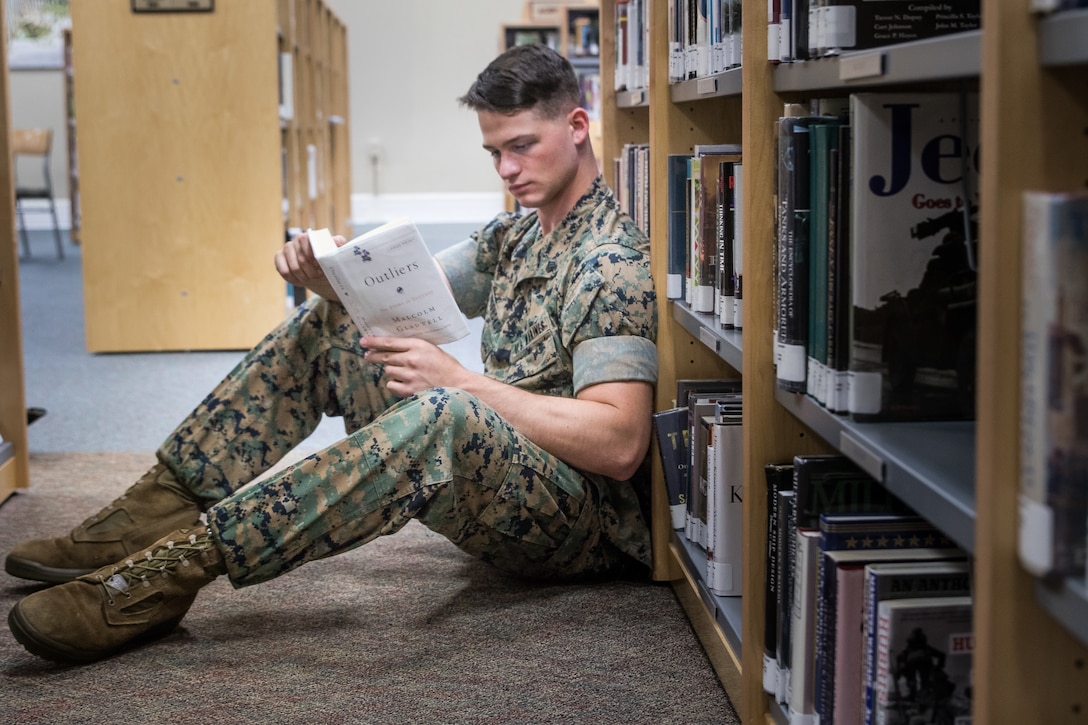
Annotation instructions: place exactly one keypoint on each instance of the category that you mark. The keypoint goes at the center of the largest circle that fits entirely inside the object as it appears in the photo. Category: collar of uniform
(537, 253)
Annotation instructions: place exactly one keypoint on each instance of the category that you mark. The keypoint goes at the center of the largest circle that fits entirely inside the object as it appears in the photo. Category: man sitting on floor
(526, 466)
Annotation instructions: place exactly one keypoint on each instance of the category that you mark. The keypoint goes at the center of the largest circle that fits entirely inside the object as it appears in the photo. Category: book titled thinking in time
(390, 283)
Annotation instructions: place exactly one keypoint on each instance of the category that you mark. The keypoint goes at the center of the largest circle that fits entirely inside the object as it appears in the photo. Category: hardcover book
(677, 227)
(924, 657)
(778, 479)
(1054, 390)
(914, 260)
(913, 576)
(840, 625)
(390, 283)
(847, 542)
(673, 444)
(725, 492)
(842, 25)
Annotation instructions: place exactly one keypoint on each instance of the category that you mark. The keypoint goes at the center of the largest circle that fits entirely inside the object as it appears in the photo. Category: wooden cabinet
(188, 174)
(14, 459)
(1030, 637)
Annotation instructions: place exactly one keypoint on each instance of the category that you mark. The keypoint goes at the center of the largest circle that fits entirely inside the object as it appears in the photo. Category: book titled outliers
(390, 283)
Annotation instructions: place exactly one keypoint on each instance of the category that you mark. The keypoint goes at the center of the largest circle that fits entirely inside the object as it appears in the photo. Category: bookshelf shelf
(946, 58)
(726, 610)
(1067, 602)
(726, 83)
(1062, 38)
(726, 344)
(638, 98)
(929, 466)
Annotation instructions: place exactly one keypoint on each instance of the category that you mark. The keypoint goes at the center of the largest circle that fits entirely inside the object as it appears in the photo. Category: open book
(390, 283)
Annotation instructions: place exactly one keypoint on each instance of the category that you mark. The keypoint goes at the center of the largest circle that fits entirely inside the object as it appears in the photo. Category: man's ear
(579, 125)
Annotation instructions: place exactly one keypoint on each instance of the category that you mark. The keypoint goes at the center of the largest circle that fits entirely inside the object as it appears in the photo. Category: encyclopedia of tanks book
(390, 283)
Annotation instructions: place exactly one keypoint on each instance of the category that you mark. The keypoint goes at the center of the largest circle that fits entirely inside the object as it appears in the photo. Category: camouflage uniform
(562, 312)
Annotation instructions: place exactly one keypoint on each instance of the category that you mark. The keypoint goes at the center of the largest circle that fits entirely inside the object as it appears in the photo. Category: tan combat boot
(152, 507)
(120, 605)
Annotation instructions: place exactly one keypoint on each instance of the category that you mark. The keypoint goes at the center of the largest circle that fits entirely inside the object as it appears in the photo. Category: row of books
(1053, 525)
(705, 38)
(810, 29)
(700, 440)
(632, 33)
(876, 254)
(867, 606)
(632, 174)
(706, 232)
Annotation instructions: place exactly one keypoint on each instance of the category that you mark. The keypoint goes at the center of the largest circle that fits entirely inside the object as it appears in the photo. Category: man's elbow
(626, 463)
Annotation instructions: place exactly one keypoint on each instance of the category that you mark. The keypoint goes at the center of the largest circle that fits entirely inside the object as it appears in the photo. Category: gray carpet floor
(407, 629)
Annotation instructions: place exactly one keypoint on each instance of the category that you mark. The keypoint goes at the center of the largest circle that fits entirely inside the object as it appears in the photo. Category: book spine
(677, 229)
(727, 510)
(802, 628)
(738, 246)
(792, 373)
(1053, 523)
(882, 671)
(673, 444)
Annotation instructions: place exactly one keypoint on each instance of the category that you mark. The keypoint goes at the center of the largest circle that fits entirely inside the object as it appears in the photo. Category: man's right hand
(295, 262)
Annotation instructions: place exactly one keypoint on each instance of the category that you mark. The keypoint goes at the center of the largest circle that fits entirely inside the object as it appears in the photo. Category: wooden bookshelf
(186, 192)
(14, 460)
(1030, 656)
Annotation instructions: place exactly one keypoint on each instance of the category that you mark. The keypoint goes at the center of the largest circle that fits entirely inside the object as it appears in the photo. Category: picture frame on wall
(35, 33)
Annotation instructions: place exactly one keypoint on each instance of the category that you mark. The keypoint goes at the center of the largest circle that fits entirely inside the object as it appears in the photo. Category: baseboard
(451, 208)
(36, 213)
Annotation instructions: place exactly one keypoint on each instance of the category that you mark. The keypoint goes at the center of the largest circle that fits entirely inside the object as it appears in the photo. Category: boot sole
(27, 569)
(46, 648)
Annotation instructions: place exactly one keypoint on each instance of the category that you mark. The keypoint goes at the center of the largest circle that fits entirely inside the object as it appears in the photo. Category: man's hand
(296, 263)
(413, 365)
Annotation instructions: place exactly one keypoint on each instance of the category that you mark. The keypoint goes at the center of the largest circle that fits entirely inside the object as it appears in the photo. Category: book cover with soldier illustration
(914, 256)
(924, 658)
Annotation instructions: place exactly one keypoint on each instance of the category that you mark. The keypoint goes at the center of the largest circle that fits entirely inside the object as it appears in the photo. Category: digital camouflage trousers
(442, 457)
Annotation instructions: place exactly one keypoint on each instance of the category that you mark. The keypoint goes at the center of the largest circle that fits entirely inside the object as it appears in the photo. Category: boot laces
(163, 561)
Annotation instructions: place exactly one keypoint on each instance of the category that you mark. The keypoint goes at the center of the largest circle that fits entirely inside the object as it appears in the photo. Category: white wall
(409, 61)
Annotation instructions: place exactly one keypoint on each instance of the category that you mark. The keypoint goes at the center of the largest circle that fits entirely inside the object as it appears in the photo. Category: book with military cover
(390, 283)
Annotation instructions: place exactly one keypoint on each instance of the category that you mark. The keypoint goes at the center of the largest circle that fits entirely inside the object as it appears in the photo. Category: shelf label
(708, 338)
(864, 65)
(173, 6)
(706, 86)
(860, 454)
(638, 98)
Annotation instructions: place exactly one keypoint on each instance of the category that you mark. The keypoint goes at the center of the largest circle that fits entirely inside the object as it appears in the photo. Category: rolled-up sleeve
(618, 358)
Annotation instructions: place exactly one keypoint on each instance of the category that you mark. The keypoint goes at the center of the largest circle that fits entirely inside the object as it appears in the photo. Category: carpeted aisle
(405, 630)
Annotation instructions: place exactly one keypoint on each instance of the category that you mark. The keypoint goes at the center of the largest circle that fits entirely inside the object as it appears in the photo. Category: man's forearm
(605, 430)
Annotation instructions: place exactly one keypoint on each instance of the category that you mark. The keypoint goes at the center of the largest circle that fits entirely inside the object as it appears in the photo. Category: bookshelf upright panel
(1029, 668)
(14, 459)
(186, 194)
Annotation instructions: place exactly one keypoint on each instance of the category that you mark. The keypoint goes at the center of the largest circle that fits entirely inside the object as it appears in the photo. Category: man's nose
(508, 167)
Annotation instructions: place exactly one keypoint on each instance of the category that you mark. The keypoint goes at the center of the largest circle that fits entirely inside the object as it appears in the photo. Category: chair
(33, 142)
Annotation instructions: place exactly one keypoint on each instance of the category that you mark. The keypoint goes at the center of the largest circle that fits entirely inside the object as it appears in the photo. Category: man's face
(537, 158)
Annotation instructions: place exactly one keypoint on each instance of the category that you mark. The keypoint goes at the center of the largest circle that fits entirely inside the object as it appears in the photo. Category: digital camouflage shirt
(564, 311)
